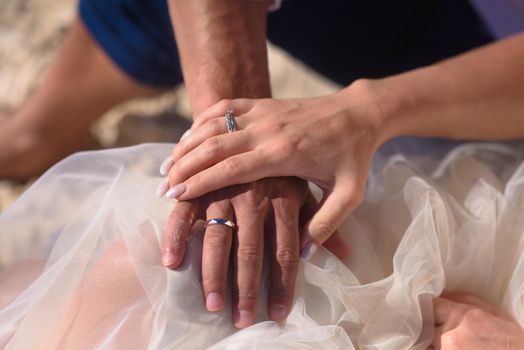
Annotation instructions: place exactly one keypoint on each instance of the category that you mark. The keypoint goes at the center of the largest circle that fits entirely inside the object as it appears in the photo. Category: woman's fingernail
(185, 134)
(214, 301)
(309, 249)
(162, 188)
(166, 165)
(243, 318)
(176, 191)
(278, 312)
(168, 258)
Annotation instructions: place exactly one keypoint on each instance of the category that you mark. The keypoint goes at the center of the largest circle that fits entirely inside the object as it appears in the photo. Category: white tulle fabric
(80, 264)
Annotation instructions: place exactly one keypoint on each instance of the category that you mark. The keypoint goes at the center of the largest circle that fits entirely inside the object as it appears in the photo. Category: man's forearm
(477, 95)
(222, 47)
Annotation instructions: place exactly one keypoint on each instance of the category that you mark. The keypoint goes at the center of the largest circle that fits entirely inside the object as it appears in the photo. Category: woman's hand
(466, 322)
(328, 140)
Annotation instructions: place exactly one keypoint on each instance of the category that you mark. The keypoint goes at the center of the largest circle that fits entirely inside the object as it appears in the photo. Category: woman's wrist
(401, 105)
(379, 103)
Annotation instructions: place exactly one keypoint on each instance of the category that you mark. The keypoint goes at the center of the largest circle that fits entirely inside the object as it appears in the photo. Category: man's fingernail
(214, 301)
(309, 249)
(185, 134)
(162, 188)
(168, 258)
(176, 191)
(166, 165)
(278, 312)
(243, 318)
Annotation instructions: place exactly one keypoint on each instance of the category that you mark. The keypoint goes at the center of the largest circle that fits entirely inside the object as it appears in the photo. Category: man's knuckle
(249, 255)
(247, 297)
(287, 257)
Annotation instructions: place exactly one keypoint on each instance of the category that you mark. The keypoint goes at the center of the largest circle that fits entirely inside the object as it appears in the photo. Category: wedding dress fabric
(80, 260)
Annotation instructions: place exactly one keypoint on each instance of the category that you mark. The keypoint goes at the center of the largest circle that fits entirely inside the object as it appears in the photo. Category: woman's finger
(333, 210)
(238, 169)
(215, 255)
(208, 153)
(213, 127)
(335, 243)
(238, 106)
(177, 231)
(283, 239)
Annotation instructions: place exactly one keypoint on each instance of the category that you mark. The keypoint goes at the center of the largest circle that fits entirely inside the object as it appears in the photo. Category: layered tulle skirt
(80, 264)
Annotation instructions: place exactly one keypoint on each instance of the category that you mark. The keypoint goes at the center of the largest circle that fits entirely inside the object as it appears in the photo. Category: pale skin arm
(331, 140)
(222, 46)
(478, 95)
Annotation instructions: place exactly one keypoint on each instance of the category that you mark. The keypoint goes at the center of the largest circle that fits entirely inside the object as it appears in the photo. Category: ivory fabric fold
(80, 264)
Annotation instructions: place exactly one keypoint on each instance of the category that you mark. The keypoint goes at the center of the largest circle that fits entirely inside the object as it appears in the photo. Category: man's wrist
(223, 49)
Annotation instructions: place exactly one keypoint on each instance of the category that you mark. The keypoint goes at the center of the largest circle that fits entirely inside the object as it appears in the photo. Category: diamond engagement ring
(230, 121)
(223, 222)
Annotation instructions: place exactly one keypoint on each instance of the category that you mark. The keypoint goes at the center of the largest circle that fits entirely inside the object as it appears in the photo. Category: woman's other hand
(329, 140)
(465, 322)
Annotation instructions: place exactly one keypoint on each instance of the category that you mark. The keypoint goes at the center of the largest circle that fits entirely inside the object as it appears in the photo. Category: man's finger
(178, 227)
(248, 260)
(215, 255)
(283, 238)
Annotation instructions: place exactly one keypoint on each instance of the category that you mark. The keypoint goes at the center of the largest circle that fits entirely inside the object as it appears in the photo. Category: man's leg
(82, 84)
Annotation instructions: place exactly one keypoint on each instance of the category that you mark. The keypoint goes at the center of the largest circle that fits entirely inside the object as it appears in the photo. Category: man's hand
(223, 52)
(466, 322)
(268, 214)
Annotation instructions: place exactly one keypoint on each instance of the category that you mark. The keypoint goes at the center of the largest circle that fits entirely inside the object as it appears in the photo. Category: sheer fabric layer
(80, 258)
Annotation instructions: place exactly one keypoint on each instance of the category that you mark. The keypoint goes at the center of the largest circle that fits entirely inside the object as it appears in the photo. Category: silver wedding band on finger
(230, 121)
(221, 221)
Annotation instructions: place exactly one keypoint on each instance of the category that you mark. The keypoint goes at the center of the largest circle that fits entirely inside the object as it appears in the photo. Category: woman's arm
(477, 95)
(330, 140)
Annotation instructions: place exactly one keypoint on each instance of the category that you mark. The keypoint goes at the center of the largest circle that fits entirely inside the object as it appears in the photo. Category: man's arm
(222, 47)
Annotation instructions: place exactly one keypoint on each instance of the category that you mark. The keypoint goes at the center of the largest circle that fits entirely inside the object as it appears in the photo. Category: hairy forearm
(477, 95)
(222, 47)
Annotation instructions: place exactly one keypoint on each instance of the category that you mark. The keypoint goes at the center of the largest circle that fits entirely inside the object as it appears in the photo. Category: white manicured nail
(176, 191)
(162, 188)
(185, 134)
(166, 165)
